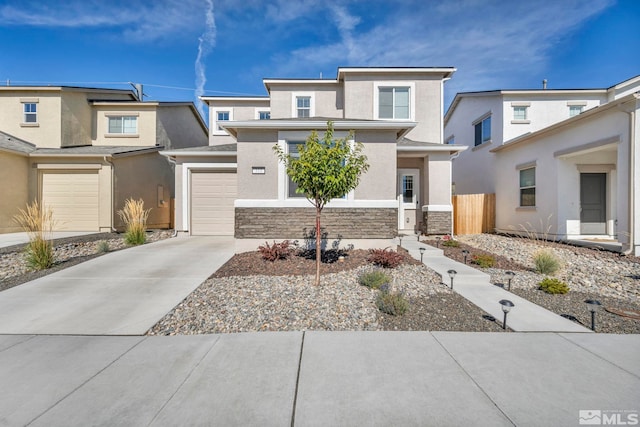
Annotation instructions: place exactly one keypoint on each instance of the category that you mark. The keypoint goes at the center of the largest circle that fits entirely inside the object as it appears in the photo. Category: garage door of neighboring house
(212, 197)
(73, 197)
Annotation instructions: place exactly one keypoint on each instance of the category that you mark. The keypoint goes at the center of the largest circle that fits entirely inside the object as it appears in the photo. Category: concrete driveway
(122, 293)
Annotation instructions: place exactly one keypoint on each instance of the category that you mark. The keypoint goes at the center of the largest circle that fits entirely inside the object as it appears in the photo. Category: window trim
(394, 84)
(480, 120)
(261, 110)
(28, 101)
(521, 168)
(122, 134)
(214, 116)
(294, 103)
(524, 119)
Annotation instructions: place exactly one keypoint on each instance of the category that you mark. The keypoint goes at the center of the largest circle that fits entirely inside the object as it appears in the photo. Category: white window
(407, 189)
(303, 106)
(123, 125)
(574, 110)
(482, 131)
(528, 187)
(394, 103)
(30, 112)
(520, 112)
(292, 149)
(218, 116)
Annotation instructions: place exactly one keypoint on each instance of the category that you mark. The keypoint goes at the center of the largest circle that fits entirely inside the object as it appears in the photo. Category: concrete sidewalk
(475, 286)
(317, 378)
(120, 293)
(12, 239)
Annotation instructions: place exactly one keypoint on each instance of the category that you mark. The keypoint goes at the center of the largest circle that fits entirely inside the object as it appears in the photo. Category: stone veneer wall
(347, 223)
(437, 222)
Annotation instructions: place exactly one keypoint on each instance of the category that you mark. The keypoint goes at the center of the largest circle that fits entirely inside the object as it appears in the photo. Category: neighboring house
(237, 186)
(84, 151)
(561, 162)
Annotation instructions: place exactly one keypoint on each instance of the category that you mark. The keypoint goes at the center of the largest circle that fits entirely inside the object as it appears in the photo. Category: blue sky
(183, 48)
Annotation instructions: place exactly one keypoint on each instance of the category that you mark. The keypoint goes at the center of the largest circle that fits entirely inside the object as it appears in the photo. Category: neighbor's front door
(408, 191)
(593, 203)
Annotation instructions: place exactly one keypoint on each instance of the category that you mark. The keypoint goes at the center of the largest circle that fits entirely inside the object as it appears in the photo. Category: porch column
(437, 212)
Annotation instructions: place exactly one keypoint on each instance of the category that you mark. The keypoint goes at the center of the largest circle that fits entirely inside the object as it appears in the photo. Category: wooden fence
(474, 213)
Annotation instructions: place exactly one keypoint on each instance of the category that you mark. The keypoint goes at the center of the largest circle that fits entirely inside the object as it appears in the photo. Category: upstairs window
(221, 116)
(30, 112)
(574, 110)
(303, 106)
(394, 103)
(123, 125)
(520, 113)
(528, 187)
(482, 131)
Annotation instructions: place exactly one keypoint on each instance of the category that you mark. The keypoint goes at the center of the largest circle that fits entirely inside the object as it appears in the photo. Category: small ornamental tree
(326, 169)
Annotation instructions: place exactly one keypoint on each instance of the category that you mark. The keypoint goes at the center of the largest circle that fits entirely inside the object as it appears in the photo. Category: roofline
(502, 92)
(175, 153)
(67, 88)
(568, 122)
(144, 150)
(446, 71)
(234, 98)
(16, 152)
(230, 126)
(444, 147)
(126, 102)
(269, 81)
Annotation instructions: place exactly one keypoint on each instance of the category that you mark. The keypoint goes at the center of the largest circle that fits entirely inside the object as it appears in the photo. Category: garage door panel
(212, 197)
(73, 198)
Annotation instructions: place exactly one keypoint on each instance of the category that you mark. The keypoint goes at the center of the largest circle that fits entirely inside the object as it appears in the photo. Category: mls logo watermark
(597, 417)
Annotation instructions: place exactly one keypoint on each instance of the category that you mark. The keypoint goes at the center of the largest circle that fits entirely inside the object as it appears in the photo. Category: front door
(593, 203)
(408, 191)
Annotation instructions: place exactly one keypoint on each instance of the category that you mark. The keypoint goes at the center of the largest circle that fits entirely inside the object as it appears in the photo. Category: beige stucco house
(562, 163)
(84, 151)
(236, 186)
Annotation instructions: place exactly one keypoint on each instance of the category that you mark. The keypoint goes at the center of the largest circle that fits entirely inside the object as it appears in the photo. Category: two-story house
(84, 151)
(562, 163)
(237, 186)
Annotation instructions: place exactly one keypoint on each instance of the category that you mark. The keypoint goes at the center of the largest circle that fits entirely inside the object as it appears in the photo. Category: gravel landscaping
(611, 278)
(67, 252)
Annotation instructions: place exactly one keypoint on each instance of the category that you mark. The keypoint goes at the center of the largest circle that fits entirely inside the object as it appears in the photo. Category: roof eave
(199, 153)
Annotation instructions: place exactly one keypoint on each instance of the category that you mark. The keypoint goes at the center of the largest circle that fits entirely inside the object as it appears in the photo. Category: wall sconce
(258, 170)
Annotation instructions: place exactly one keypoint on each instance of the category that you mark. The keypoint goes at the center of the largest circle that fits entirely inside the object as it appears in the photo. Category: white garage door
(212, 197)
(73, 197)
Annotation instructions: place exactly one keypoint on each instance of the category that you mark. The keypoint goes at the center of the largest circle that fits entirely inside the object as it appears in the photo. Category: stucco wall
(139, 177)
(255, 148)
(14, 174)
(327, 100)
(379, 182)
(178, 127)
(76, 119)
(146, 135)
(558, 177)
(47, 132)
(240, 110)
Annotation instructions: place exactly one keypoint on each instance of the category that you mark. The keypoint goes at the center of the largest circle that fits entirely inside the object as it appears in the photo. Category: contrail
(206, 42)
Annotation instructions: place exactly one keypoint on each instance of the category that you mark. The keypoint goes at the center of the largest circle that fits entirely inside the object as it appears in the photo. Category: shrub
(546, 262)
(553, 286)
(392, 303)
(38, 223)
(374, 279)
(103, 247)
(385, 258)
(135, 218)
(282, 250)
(451, 243)
(484, 261)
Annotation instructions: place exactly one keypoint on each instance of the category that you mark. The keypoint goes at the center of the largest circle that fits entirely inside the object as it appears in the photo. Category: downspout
(172, 161)
(113, 191)
(632, 148)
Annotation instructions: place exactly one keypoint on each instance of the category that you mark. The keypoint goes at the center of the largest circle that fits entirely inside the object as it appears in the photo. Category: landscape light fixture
(438, 241)
(506, 307)
(465, 253)
(400, 238)
(509, 275)
(452, 274)
(593, 306)
(422, 253)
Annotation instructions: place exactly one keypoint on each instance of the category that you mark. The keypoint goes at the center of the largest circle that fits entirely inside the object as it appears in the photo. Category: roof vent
(544, 84)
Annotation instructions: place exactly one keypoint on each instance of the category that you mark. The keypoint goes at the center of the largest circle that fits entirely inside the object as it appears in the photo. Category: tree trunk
(318, 245)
